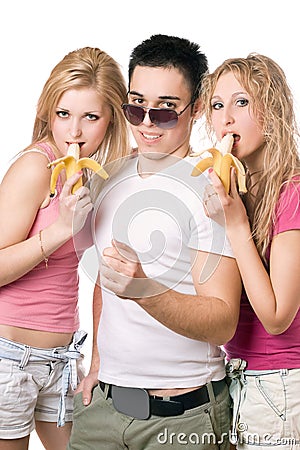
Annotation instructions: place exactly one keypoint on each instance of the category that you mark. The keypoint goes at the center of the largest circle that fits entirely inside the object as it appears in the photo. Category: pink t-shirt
(46, 299)
(251, 342)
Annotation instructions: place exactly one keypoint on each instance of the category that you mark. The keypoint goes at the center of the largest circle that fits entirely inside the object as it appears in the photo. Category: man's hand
(121, 271)
(86, 386)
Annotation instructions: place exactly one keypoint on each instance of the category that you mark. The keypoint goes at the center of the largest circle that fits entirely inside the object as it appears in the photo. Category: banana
(221, 161)
(72, 164)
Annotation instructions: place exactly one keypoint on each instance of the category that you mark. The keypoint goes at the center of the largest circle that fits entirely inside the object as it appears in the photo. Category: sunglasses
(161, 117)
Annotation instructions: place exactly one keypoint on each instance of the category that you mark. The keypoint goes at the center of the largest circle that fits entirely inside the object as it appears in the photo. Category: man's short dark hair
(171, 51)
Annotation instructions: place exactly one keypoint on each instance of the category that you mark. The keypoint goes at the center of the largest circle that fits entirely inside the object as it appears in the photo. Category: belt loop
(106, 389)
(211, 393)
(25, 357)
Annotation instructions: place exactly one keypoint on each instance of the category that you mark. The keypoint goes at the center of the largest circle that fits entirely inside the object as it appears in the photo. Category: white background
(35, 35)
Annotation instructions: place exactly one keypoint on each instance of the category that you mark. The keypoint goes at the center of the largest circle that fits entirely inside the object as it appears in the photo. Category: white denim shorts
(32, 392)
(268, 415)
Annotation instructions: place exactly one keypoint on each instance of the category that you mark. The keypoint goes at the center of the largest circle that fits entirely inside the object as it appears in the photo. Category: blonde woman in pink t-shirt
(250, 99)
(39, 338)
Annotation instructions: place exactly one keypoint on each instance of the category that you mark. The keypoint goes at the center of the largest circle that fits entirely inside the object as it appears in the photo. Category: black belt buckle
(134, 402)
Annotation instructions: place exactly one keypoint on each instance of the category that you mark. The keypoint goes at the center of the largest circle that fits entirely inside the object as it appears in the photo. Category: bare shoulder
(28, 170)
(26, 183)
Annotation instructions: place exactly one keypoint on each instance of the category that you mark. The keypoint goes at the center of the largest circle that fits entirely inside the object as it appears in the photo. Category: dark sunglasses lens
(163, 118)
(134, 114)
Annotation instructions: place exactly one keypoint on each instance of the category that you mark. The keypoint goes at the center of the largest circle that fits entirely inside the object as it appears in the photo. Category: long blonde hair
(87, 67)
(271, 102)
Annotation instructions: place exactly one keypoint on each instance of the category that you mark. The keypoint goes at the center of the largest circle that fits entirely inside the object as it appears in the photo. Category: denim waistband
(69, 354)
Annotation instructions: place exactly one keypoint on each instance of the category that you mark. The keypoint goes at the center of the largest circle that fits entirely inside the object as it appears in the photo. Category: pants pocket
(263, 412)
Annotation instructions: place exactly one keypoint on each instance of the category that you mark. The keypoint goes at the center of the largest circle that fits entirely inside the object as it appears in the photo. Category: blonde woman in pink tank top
(40, 339)
(250, 98)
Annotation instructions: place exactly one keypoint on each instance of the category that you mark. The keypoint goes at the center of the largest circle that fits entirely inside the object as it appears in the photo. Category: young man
(169, 290)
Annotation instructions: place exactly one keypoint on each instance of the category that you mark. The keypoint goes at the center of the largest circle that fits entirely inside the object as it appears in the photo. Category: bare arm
(211, 315)
(275, 297)
(91, 379)
(97, 309)
(22, 192)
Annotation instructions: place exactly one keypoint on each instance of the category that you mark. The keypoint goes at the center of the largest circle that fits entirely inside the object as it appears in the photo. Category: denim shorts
(267, 409)
(31, 387)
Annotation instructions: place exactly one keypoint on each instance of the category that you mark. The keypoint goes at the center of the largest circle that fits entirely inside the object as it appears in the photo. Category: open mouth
(78, 143)
(236, 138)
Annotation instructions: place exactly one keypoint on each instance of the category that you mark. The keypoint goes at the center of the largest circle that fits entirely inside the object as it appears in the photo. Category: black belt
(176, 405)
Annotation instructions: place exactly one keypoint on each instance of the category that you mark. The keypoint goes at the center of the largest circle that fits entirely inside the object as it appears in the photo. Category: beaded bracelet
(42, 250)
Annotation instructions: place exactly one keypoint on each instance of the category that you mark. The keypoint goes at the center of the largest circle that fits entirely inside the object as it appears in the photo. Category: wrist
(152, 292)
(59, 231)
(45, 257)
(94, 368)
(95, 362)
(241, 232)
(51, 238)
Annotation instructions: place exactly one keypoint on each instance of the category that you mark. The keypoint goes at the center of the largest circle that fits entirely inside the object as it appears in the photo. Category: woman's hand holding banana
(221, 161)
(73, 209)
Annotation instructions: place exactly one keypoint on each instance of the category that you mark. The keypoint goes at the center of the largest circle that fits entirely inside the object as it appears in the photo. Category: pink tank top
(251, 342)
(46, 298)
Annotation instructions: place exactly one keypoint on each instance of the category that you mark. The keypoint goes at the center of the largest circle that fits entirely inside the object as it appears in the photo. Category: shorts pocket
(263, 411)
(11, 384)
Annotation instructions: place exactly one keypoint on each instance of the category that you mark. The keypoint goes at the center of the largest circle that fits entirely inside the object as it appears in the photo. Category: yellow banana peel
(72, 164)
(221, 161)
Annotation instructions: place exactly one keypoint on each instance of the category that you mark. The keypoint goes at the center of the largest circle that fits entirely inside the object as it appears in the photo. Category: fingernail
(85, 401)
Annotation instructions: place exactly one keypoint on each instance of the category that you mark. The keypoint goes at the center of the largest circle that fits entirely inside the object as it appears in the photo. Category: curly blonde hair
(87, 68)
(271, 101)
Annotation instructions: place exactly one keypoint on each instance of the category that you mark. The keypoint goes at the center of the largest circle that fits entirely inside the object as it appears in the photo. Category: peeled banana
(72, 164)
(221, 161)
